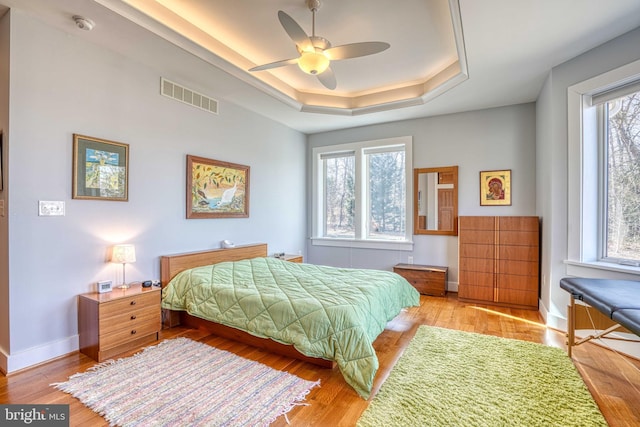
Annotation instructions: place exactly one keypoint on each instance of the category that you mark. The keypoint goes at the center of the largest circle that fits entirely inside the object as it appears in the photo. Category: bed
(320, 314)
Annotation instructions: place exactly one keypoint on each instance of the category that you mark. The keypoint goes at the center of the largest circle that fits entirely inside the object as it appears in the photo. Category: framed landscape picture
(100, 169)
(216, 189)
(495, 188)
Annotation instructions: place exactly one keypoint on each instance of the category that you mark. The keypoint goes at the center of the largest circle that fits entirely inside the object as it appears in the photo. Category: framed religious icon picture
(495, 188)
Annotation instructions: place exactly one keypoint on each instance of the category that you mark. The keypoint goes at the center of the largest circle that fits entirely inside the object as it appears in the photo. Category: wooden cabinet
(118, 321)
(427, 279)
(499, 260)
(293, 258)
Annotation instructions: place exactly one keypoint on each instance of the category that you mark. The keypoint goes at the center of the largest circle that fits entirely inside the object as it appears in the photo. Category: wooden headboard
(170, 265)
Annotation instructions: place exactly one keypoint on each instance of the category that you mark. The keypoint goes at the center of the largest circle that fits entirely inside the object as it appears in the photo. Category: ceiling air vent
(188, 96)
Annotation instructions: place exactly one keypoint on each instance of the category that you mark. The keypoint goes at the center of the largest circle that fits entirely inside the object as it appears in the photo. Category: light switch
(50, 208)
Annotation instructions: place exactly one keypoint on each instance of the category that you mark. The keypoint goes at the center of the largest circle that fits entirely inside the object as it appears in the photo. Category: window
(362, 194)
(604, 173)
(339, 174)
(619, 122)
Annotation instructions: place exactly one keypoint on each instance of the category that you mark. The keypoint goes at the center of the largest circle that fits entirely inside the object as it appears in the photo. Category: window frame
(585, 208)
(362, 200)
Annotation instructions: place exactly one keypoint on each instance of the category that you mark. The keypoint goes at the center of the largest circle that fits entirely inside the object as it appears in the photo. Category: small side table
(293, 258)
(118, 321)
(427, 279)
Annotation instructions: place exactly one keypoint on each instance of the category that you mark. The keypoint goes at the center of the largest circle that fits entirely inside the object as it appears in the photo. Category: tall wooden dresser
(499, 260)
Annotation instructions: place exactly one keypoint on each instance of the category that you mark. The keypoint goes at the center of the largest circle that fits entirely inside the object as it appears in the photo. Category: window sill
(398, 245)
(601, 269)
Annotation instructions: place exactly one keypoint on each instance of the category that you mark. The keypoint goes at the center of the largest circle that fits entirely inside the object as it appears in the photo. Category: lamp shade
(313, 62)
(124, 254)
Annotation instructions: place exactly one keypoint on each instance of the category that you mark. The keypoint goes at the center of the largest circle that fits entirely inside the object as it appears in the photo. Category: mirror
(435, 201)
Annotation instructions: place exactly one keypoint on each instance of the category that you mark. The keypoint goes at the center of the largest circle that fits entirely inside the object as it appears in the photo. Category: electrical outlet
(50, 208)
(410, 260)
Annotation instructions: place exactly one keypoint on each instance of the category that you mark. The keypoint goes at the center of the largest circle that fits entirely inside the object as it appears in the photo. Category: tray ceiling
(424, 59)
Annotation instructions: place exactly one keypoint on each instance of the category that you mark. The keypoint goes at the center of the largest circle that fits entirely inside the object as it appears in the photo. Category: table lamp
(123, 254)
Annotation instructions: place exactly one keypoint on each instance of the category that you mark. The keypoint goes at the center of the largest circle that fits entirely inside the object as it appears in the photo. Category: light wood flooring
(614, 380)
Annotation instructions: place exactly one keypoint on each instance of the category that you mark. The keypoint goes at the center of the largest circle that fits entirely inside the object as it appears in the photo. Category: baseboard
(552, 320)
(37, 355)
(452, 286)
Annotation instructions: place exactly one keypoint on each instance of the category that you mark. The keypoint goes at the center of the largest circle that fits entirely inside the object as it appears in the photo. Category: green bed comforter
(326, 312)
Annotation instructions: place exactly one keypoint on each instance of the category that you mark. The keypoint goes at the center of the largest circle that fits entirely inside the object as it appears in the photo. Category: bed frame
(170, 265)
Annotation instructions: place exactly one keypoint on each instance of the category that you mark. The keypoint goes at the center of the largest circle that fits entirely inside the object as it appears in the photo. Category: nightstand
(427, 279)
(118, 321)
(293, 258)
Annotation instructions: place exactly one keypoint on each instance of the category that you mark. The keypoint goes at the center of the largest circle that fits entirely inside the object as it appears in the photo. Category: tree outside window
(623, 178)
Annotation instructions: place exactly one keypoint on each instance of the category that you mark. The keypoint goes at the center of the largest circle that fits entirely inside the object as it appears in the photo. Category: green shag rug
(455, 378)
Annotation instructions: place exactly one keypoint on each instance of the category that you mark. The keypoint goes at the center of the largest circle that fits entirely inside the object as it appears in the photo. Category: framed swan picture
(216, 189)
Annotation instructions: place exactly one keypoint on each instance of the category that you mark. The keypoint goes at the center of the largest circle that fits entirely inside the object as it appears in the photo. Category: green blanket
(326, 312)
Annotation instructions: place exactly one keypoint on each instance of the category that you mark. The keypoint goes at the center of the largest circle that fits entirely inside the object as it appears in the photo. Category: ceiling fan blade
(327, 78)
(275, 64)
(354, 50)
(295, 31)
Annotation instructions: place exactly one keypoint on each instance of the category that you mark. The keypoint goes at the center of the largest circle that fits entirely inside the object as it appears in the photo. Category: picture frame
(216, 189)
(100, 169)
(495, 188)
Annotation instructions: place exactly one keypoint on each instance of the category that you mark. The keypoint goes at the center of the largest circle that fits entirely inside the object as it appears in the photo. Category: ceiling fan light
(313, 62)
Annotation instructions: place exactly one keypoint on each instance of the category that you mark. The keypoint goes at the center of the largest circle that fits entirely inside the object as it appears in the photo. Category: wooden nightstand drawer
(133, 331)
(128, 303)
(118, 321)
(427, 279)
(127, 320)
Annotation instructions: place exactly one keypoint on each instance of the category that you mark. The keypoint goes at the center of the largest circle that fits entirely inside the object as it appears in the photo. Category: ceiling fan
(316, 52)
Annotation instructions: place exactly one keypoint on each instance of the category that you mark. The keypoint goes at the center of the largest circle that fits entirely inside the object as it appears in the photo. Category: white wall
(492, 139)
(63, 84)
(553, 160)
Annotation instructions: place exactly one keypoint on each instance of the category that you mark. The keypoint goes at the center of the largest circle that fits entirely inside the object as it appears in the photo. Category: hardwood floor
(614, 380)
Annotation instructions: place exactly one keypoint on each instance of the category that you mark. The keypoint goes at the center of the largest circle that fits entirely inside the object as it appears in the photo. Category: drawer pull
(133, 303)
(133, 317)
(133, 332)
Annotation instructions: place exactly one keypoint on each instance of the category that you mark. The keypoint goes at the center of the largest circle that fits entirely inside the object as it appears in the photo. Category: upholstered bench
(617, 300)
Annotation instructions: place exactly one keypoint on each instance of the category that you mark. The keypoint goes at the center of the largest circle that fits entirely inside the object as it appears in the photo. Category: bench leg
(571, 328)
(571, 325)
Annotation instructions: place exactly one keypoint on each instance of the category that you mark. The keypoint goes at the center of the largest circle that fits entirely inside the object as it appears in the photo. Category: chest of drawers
(499, 260)
(118, 321)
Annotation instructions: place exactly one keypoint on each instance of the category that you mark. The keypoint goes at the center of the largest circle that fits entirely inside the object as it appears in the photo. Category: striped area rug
(181, 382)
